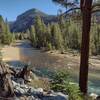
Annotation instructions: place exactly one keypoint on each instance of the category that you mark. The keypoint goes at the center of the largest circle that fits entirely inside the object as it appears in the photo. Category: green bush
(61, 83)
(7, 38)
(49, 46)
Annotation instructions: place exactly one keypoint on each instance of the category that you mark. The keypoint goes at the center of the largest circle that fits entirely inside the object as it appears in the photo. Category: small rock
(20, 81)
(20, 90)
(40, 90)
(29, 80)
(93, 96)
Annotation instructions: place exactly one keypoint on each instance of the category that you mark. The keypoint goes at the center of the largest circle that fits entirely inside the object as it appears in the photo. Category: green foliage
(2, 28)
(95, 39)
(7, 36)
(57, 39)
(59, 36)
(74, 92)
(49, 46)
(40, 32)
(33, 35)
(64, 35)
(74, 35)
(61, 83)
(0, 55)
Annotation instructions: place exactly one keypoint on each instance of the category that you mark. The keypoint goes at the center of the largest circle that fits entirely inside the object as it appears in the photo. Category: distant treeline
(63, 35)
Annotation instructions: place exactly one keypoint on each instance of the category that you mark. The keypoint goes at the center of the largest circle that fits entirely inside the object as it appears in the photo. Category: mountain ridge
(26, 19)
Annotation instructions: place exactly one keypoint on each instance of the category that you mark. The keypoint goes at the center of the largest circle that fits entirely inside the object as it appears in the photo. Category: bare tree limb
(71, 9)
(78, 8)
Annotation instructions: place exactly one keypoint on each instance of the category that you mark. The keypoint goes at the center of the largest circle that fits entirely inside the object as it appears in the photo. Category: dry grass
(40, 83)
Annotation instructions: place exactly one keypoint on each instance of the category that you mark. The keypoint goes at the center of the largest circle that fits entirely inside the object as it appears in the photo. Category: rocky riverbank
(21, 51)
(13, 86)
(30, 93)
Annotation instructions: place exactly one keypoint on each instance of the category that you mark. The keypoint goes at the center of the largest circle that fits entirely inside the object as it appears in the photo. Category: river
(22, 52)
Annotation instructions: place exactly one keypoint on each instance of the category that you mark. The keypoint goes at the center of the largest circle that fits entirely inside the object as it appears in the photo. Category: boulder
(20, 88)
(37, 94)
(93, 96)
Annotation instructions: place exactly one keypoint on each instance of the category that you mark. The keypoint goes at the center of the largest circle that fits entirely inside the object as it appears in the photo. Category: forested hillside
(56, 32)
(26, 19)
(63, 35)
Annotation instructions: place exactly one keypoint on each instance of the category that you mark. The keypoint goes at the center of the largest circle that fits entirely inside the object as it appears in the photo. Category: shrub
(61, 83)
(49, 46)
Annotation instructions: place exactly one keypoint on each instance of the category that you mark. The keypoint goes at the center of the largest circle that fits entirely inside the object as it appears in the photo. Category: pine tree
(28, 33)
(38, 28)
(7, 35)
(33, 35)
(64, 30)
(95, 39)
(48, 37)
(44, 34)
(73, 36)
(57, 39)
(2, 28)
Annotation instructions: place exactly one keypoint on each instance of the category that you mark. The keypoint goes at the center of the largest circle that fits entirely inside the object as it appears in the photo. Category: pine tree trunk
(86, 17)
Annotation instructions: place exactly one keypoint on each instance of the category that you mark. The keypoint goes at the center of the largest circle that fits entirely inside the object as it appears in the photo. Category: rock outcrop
(13, 86)
(25, 91)
(25, 20)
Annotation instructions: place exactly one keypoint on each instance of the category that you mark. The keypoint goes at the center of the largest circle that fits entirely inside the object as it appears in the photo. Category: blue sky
(10, 9)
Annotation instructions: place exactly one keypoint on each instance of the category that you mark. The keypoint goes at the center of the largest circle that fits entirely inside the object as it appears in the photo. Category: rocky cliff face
(26, 19)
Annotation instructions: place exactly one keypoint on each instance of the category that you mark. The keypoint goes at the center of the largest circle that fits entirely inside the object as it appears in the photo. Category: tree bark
(86, 6)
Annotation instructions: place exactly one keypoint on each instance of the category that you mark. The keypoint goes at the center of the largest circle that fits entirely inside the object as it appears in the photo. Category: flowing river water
(22, 52)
